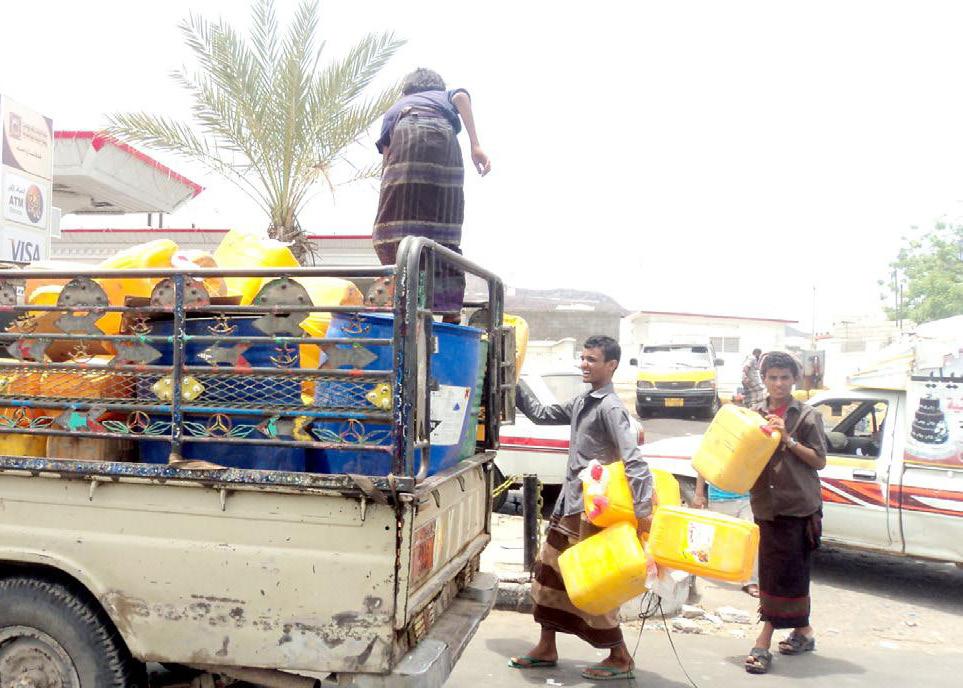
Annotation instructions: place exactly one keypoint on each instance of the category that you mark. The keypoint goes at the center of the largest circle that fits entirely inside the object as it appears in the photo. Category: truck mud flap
(429, 664)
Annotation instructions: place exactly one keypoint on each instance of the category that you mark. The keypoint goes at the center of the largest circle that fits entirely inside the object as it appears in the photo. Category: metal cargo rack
(125, 393)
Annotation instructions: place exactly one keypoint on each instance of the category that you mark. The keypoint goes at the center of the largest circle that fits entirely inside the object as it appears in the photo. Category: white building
(732, 336)
(852, 343)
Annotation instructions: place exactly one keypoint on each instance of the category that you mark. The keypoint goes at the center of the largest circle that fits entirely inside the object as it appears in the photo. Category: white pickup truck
(277, 577)
(894, 475)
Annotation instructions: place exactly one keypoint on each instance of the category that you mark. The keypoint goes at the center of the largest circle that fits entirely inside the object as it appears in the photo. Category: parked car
(542, 450)
(677, 375)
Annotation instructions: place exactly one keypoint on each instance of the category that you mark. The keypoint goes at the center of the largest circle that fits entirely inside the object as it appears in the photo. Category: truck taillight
(423, 553)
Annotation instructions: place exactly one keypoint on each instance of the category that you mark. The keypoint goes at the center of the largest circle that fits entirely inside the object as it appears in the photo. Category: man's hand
(481, 161)
(777, 423)
(699, 501)
(645, 525)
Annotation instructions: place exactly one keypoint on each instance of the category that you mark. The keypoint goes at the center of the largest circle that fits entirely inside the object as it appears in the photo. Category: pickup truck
(273, 576)
(894, 475)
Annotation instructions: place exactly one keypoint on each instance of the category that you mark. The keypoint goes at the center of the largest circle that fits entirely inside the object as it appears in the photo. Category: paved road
(673, 426)
(709, 660)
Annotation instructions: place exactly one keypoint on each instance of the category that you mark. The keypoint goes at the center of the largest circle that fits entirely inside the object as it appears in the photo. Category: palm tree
(266, 114)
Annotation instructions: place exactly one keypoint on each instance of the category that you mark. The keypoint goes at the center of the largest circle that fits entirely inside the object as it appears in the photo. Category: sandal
(796, 644)
(758, 661)
(752, 590)
(526, 662)
(607, 673)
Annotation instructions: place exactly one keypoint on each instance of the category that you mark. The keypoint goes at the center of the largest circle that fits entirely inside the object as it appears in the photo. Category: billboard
(26, 174)
(27, 140)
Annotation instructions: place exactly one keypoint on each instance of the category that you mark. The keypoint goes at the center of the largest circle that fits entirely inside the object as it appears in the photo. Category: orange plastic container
(736, 447)
(704, 543)
(604, 571)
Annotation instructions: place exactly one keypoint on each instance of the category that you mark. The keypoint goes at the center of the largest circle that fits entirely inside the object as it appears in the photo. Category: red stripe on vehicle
(534, 442)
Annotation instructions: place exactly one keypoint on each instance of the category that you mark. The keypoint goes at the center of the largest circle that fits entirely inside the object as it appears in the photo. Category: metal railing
(190, 369)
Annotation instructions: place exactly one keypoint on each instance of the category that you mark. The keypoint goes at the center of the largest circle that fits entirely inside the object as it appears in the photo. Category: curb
(514, 594)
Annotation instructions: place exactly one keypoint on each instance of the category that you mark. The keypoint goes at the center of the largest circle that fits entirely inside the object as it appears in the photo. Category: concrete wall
(579, 325)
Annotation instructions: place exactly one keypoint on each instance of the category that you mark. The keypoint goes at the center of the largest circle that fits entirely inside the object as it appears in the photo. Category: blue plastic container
(250, 389)
(257, 457)
(454, 367)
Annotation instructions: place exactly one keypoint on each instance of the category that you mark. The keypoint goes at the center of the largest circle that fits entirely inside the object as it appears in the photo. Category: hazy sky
(719, 157)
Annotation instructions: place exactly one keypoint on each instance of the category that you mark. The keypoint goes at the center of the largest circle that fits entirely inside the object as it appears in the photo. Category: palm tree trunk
(293, 234)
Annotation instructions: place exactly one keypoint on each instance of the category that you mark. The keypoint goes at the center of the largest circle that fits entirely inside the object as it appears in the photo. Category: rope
(650, 604)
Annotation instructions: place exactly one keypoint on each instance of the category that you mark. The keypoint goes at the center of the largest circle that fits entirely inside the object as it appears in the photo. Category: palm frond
(266, 114)
(264, 33)
(166, 134)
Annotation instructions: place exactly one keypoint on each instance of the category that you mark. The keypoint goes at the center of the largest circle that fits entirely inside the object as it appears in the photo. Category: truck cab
(677, 375)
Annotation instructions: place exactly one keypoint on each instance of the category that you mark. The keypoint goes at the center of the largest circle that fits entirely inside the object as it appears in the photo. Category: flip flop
(758, 661)
(531, 663)
(796, 644)
(608, 673)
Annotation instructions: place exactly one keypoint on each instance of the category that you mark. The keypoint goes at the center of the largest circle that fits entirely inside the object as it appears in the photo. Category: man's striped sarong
(422, 194)
(553, 608)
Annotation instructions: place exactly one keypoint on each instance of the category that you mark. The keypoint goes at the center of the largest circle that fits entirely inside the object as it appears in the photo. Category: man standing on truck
(600, 430)
(755, 391)
(787, 505)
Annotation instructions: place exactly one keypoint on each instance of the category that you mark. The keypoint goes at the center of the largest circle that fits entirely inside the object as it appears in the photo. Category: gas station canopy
(93, 173)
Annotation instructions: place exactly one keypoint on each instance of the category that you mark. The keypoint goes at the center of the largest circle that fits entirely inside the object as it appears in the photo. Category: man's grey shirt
(600, 430)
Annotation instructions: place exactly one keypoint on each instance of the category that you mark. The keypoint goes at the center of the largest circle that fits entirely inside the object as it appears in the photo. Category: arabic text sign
(27, 139)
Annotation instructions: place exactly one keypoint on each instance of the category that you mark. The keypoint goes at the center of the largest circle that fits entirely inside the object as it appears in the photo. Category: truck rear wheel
(52, 638)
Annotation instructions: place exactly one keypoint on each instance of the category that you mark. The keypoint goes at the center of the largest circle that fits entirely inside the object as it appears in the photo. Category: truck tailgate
(449, 529)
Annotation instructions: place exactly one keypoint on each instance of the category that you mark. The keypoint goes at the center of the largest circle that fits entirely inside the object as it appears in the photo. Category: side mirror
(719, 362)
(633, 361)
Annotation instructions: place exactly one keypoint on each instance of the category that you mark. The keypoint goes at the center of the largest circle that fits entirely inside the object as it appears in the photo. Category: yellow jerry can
(736, 447)
(521, 340)
(323, 291)
(151, 254)
(243, 250)
(667, 489)
(605, 570)
(704, 543)
(606, 496)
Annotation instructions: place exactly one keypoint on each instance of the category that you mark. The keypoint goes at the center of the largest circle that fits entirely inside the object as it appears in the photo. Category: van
(678, 375)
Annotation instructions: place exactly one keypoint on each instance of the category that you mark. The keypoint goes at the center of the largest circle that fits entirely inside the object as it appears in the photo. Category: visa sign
(22, 245)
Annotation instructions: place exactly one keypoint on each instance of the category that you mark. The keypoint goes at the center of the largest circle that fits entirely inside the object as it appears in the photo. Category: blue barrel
(240, 389)
(226, 391)
(258, 457)
(454, 368)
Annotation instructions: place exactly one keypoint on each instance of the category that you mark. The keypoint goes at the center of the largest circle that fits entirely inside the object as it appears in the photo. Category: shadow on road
(934, 585)
(569, 672)
(809, 665)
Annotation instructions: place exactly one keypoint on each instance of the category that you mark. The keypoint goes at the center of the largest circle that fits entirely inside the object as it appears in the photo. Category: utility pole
(812, 336)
